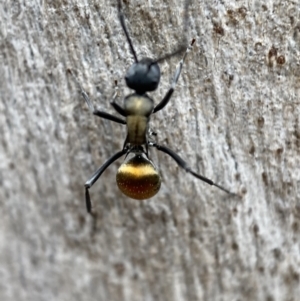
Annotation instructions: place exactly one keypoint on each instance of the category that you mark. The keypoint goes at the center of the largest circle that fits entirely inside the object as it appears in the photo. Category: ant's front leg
(96, 111)
(168, 95)
(118, 108)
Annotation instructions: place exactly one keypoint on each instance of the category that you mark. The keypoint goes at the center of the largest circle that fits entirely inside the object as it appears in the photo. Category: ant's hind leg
(97, 175)
(168, 95)
(184, 165)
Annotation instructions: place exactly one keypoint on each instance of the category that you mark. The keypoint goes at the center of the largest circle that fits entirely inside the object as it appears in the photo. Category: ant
(137, 177)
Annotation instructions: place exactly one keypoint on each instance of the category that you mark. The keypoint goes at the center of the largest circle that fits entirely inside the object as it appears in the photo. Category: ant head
(143, 76)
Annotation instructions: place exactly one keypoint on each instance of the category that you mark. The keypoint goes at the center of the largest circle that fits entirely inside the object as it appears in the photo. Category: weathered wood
(234, 117)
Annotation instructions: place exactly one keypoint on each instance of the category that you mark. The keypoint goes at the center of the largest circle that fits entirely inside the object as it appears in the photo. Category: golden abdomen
(138, 179)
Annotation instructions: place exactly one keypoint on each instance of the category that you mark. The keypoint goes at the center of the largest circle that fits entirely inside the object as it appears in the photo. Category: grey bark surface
(234, 117)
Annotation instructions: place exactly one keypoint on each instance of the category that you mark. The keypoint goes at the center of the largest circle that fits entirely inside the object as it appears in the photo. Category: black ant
(137, 177)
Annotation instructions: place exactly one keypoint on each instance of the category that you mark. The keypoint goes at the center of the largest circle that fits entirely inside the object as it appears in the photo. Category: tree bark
(234, 117)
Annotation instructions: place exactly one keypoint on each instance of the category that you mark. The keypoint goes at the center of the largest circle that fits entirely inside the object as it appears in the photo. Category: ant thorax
(138, 109)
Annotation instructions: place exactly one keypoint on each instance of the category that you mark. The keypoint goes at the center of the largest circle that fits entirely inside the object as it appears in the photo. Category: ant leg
(96, 176)
(167, 97)
(118, 108)
(184, 165)
(91, 106)
(109, 116)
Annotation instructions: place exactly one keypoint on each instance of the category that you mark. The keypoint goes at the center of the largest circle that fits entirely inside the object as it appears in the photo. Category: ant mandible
(137, 177)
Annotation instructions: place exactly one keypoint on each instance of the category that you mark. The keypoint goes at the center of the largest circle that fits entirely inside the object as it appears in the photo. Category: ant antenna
(182, 45)
(122, 21)
(179, 49)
